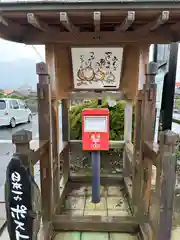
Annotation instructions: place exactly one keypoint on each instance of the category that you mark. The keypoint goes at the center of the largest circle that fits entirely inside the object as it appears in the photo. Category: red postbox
(95, 129)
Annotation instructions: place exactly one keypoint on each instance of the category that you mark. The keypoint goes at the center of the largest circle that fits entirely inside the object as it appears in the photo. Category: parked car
(14, 111)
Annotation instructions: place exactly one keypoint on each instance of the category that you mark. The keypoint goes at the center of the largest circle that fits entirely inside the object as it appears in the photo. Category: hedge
(116, 118)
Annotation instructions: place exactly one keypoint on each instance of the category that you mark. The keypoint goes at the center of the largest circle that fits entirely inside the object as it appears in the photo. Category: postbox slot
(95, 124)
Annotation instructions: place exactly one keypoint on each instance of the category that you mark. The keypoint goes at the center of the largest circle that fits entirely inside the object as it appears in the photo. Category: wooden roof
(91, 23)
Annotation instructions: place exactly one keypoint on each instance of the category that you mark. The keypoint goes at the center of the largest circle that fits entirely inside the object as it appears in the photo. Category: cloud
(10, 51)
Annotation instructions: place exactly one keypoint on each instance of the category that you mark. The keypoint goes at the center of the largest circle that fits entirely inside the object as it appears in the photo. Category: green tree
(1, 94)
(16, 96)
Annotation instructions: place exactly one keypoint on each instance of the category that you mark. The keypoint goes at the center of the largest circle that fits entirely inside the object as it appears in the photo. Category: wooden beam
(148, 119)
(151, 151)
(46, 161)
(63, 70)
(113, 144)
(95, 38)
(97, 21)
(162, 19)
(105, 178)
(38, 153)
(4, 21)
(173, 30)
(127, 22)
(129, 147)
(95, 223)
(145, 231)
(63, 192)
(128, 160)
(165, 186)
(6, 35)
(96, 95)
(37, 23)
(175, 26)
(7, 23)
(137, 156)
(64, 19)
(131, 55)
(66, 137)
(128, 191)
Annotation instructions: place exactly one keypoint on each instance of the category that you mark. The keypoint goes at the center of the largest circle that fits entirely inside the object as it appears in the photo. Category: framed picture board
(97, 68)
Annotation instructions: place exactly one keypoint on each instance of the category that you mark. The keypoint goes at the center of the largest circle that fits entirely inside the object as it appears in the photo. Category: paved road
(7, 132)
(7, 148)
(176, 126)
(176, 116)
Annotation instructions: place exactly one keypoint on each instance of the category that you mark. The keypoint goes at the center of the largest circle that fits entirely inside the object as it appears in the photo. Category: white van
(14, 111)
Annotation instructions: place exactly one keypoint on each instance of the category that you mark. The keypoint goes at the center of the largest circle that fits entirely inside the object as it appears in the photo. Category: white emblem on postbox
(95, 138)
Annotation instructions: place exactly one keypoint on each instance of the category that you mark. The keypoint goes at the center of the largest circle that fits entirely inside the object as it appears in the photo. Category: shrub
(15, 96)
(116, 118)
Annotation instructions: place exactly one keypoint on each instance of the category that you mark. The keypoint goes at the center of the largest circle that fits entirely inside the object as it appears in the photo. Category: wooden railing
(153, 201)
(49, 150)
(151, 197)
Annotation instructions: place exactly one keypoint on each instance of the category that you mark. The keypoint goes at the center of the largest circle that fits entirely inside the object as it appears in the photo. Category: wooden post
(55, 155)
(21, 191)
(45, 133)
(22, 139)
(50, 59)
(137, 156)
(149, 117)
(165, 186)
(66, 138)
(127, 134)
(145, 116)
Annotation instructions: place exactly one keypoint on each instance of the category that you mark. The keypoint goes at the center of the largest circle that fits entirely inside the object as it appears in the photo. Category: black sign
(19, 191)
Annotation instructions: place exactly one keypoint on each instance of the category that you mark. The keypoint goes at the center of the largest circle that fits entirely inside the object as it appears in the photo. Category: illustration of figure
(100, 73)
(86, 72)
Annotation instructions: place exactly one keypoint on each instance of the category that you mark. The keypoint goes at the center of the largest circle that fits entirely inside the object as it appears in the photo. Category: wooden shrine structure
(131, 26)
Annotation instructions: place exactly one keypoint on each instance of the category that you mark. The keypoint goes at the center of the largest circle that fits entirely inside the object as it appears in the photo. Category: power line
(40, 56)
(37, 52)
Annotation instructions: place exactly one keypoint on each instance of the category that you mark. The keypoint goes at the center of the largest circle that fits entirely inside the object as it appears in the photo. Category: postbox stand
(96, 166)
(95, 138)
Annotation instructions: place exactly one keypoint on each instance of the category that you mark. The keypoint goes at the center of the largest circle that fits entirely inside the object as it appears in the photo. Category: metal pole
(96, 166)
(96, 162)
(169, 88)
(155, 49)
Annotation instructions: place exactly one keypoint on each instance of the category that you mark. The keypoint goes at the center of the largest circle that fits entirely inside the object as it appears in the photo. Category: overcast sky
(10, 51)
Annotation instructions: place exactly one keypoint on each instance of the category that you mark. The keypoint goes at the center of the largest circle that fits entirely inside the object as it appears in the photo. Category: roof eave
(98, 5)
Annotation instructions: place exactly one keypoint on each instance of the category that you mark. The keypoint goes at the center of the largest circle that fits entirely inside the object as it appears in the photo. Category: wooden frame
(62, 25)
